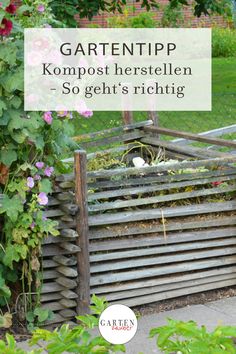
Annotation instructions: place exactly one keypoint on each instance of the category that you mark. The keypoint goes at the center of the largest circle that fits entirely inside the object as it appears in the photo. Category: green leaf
(11, 256)
(2, 107)
(11, 206)
(8, 51)
(15, 101)
(13, 80)
(30, 316)
(41, 313)
(45, 186)
(8, 156)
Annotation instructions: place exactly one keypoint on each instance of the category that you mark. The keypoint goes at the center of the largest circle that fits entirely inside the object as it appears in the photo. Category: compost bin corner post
(82, 228)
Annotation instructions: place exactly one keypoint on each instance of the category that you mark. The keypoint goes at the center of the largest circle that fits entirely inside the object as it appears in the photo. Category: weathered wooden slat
(51, 287)
(154, 260)
(68, 313)
(158, 239)
(141, 300)
(53, 201)
(156, 187)
(68, 272)
(148, 214)
(66, 283)
(48, 264)
(158, 178)
(171, 286)
(135, 135)
(50, 274)
(68, 184)
(68, 294)
(83, 264)
(163, 280)
(211, 133)
(50, 213)
(70, 233)
(65, 196)
(66, 224)
(149, 272)
(93, 155)
(130, 171)
(57, 318)
(97, 233)
(191, 136)
(119, 204)
(191, 151)
(119, 129)
(55, 306)
(141, 252)
(65, 261)
(53, 249)
(56, 240)
(68, 303)
(70, 247)
(50, 297)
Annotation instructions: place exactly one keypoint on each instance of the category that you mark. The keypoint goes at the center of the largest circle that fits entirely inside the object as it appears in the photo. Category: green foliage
(25, 138)
(172, 16)
(125, 20)
(78, 339)
(65, 11)
(187, 337)
(223, 42)
(37, 317)
(10, 347)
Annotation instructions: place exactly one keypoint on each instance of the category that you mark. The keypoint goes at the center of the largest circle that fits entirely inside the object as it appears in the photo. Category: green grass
(223, 107)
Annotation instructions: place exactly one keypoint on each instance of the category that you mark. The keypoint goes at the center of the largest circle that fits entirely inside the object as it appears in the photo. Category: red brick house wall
(189, 19)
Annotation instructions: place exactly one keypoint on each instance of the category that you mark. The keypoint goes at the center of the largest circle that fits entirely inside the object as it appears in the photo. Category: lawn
(223, 107)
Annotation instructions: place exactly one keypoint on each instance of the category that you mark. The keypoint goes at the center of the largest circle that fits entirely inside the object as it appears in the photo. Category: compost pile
(143, 156)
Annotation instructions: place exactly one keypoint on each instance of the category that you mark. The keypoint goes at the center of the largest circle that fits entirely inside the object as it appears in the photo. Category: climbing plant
(31, 147)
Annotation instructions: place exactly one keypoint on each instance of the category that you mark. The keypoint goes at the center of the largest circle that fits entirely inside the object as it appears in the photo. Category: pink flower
(47, 116)
(41, 8)
(42, 198)
(84, 110)
(39, 165)
(87, 114)
(48, 171)
(30, 182)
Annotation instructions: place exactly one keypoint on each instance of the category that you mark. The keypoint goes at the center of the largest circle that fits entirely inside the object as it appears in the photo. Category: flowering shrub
(31, 147)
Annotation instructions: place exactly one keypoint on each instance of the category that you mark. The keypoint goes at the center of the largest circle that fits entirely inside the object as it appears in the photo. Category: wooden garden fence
(140, 235)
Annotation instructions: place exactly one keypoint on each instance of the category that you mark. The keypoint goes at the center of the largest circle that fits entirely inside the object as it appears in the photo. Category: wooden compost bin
(142, 234)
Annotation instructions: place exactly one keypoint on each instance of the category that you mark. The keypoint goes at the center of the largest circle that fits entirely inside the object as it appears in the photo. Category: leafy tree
(66, 10)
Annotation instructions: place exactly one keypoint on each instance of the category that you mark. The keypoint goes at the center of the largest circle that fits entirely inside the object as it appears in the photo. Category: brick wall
(189, 19)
